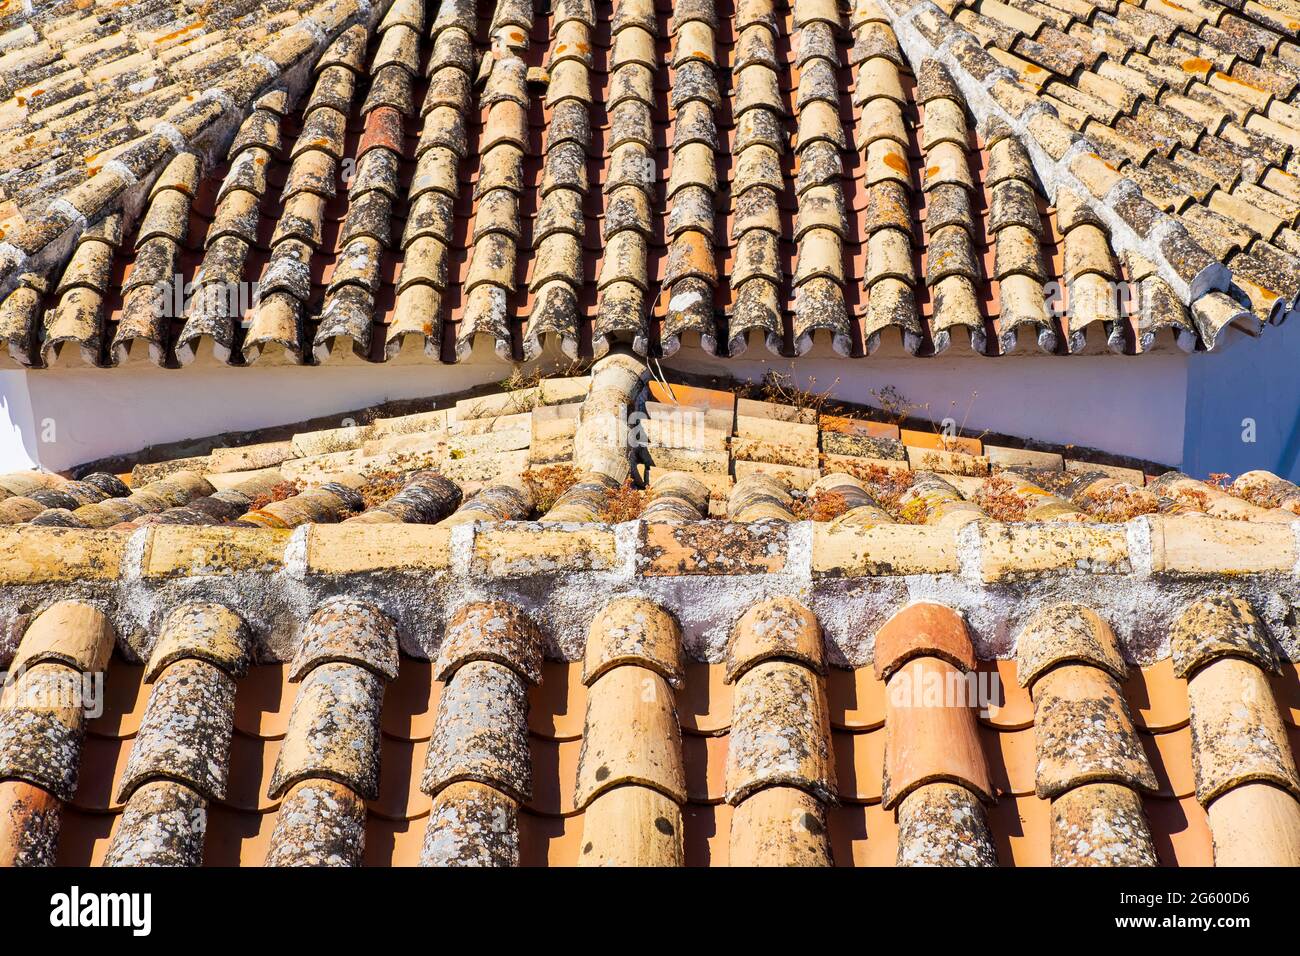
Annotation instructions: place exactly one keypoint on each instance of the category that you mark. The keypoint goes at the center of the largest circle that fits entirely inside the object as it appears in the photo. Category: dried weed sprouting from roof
(885, 485)
(624, 503)
(782, 388)
(823, 506)
(380, 486)
(1118, 504)
(997, 498)
(547, 484)
(281, 491)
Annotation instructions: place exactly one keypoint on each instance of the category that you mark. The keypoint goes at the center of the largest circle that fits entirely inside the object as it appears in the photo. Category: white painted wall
(1126, 405)
(93, 413)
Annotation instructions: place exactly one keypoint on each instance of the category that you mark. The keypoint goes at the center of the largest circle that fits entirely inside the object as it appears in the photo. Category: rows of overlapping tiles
(562, 450)
(1174, 124)
(517, 183)
(637, 755)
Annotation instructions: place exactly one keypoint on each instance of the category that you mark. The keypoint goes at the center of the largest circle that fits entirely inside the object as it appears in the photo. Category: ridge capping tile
(924, 30)
(1011, 552)
(46, 555)
(1201, 545)
(529, 549)
(358, 548)
(883, 550)
(713, 547)
(185, 551)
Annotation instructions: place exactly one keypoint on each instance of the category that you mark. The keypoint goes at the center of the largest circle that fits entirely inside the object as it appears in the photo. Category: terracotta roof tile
(695, 724)
(534, 131)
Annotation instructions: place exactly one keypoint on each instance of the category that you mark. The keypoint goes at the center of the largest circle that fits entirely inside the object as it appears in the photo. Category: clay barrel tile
(1083, 733)
(69, 632)
(29, 825)
(930, 731)
(426, 498)
(938, 502)
(346, 630)
(943, 824)
(201, 631)
(583, 501)
(675, 497)
(780, 628)
(1255, 824)
(631, 736)
(495, 502)
(162, 825)
(319, 823)
(185, 732)
(923, 629)
(632, 826)
(1101, 824)
(634, 631)
(471, 824)
(780, 826)
(760, 497)
(1066, 633)
(42, 723)
(481, 732)
(333, 731)
(780, 733)
(1219, 626)
(491, 631)
(1237, 732)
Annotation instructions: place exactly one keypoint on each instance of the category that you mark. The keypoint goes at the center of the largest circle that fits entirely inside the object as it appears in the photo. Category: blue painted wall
(1255, 379)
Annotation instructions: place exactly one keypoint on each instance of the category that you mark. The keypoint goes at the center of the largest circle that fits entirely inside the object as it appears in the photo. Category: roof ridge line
(1192, 273)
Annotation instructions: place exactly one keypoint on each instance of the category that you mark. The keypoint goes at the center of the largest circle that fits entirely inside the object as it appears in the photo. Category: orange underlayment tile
(705, 762)
(1170, 754)
(706, 834)
(411, 701)
(401, 764)
(856, 698)
(84, 837)
(1011, 759)
(1011, 707)
(1157, 700)
(1022, 830)
(859, 765)
(393, 842)
(252, 762)
(237, 837)
(125, 695)
(263, 700)
(555, 775)
(549, 841)
(103, 763)
(558, 706)
(1180, 831)
(1286, 688)
(704, 702)
(863, 835)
